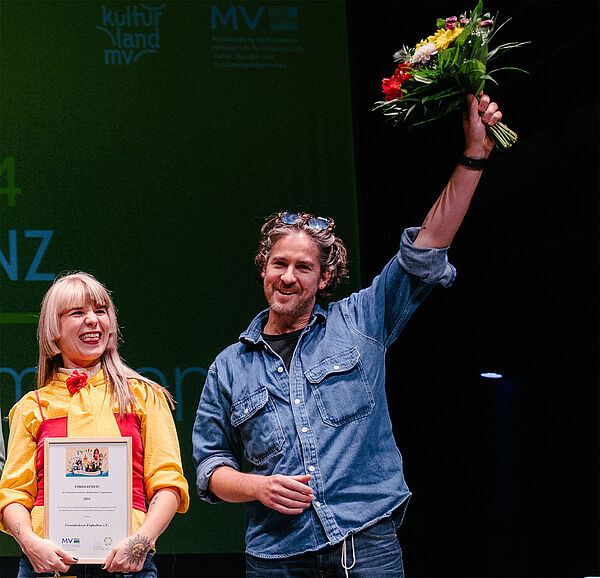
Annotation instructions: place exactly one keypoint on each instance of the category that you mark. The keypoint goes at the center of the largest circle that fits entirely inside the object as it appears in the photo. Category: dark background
(504, 473)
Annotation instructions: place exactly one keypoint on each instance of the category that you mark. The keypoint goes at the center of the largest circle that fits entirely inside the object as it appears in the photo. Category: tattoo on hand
(137, 548)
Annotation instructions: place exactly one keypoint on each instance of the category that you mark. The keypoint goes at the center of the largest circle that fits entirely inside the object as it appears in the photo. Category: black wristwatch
(475, 164)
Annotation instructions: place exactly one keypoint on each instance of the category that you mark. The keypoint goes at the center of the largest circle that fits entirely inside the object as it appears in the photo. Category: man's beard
(291, 311)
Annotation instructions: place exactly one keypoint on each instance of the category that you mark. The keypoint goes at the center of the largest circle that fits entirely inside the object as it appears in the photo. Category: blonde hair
(75, 290)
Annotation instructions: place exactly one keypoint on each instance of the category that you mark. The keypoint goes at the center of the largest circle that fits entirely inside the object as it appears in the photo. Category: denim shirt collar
(253, 335)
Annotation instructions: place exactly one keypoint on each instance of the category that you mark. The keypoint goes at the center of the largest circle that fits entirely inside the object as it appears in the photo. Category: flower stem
(504, 136)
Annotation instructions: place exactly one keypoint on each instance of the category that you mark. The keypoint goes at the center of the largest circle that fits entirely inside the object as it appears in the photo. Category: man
(303, 391)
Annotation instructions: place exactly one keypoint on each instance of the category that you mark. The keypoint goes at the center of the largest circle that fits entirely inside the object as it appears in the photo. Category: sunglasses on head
(318, 223)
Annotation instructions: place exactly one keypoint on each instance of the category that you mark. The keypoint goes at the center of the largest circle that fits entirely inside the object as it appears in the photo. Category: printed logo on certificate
(87, 495)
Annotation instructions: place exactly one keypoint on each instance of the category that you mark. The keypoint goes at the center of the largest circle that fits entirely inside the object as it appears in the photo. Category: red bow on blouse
(76, 381)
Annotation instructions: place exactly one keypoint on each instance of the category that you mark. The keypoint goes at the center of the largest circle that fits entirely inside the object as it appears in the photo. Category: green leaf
(498, 27)
(463, 36)
(506, 46)
(509, 68)
(476, 13)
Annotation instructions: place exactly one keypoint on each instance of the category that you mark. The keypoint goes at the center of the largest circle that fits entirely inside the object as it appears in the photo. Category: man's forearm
(232, 486)
(285, 494)
(446, 215)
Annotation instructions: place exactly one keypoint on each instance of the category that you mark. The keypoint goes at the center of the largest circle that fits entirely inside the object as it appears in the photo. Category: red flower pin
(76, 381)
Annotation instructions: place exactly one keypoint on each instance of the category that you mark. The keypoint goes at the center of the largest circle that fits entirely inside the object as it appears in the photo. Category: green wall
(145, 143)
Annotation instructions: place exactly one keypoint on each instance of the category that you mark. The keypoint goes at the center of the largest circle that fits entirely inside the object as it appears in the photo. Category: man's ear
(325, 277)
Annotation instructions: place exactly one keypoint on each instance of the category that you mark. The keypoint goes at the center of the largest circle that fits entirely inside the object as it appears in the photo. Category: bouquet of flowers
(432, 79)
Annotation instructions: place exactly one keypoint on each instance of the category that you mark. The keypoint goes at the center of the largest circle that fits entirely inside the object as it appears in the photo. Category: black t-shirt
(283, 345)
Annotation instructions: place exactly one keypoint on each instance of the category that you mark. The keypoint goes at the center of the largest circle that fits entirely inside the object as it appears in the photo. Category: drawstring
(344, 557)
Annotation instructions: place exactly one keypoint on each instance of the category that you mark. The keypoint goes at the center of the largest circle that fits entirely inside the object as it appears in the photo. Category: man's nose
(289, 276)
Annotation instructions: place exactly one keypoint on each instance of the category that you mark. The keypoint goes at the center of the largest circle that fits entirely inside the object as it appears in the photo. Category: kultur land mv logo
(133, 31)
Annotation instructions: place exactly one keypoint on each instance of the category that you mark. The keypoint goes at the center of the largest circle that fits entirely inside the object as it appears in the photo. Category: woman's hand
(45, 556)
(128, 555)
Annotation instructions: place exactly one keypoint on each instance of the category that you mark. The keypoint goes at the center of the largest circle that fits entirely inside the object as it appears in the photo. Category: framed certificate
(87, 495)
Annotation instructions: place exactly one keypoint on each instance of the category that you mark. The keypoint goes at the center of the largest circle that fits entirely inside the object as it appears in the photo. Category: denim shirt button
(296, 401)
(318, 504)
(304, 429)
(336, 367)
(311, 468)
(280, 369)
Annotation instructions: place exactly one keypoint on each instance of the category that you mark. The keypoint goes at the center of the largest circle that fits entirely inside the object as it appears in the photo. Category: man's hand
(479, 114)
(285, 494)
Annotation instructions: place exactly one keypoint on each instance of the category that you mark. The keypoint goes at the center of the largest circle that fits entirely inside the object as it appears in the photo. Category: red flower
(392, 86)
(76, 381)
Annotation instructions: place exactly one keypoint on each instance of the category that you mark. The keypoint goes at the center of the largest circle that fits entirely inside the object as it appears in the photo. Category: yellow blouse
(90, 414)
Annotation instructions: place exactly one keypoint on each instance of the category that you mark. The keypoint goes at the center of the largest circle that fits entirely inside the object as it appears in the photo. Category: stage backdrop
(145, 143)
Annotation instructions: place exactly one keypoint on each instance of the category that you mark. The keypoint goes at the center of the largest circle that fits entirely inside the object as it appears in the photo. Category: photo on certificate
(92, 461)
(87, 494)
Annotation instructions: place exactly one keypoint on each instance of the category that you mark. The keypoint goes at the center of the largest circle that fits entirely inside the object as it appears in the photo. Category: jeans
(377, 553)
(91, 570)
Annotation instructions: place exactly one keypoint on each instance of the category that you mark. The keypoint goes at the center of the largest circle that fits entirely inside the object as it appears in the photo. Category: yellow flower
(442, 38)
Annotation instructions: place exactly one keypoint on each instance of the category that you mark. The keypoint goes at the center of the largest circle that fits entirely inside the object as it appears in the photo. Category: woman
(86, 390)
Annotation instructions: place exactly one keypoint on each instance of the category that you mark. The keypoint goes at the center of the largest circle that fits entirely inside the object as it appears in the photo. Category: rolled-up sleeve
(215, 441)
(162, 456)
(428, 264)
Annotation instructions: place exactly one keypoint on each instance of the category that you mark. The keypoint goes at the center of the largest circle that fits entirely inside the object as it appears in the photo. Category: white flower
(423, 53)
(403, 55)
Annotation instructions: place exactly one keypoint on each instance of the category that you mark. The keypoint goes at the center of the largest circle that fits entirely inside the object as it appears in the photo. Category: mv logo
(280, 18)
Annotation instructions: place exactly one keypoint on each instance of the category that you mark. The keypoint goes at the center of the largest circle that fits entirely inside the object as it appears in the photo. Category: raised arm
(446, 215)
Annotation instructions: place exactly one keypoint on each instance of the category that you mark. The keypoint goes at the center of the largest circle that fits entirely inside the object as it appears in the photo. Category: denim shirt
(327, 416)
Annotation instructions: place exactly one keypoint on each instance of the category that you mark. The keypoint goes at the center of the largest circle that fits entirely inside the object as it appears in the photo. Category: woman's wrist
(27, 539)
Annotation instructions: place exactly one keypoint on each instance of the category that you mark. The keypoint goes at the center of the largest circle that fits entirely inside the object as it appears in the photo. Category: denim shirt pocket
(256, 418)
(341, 389)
